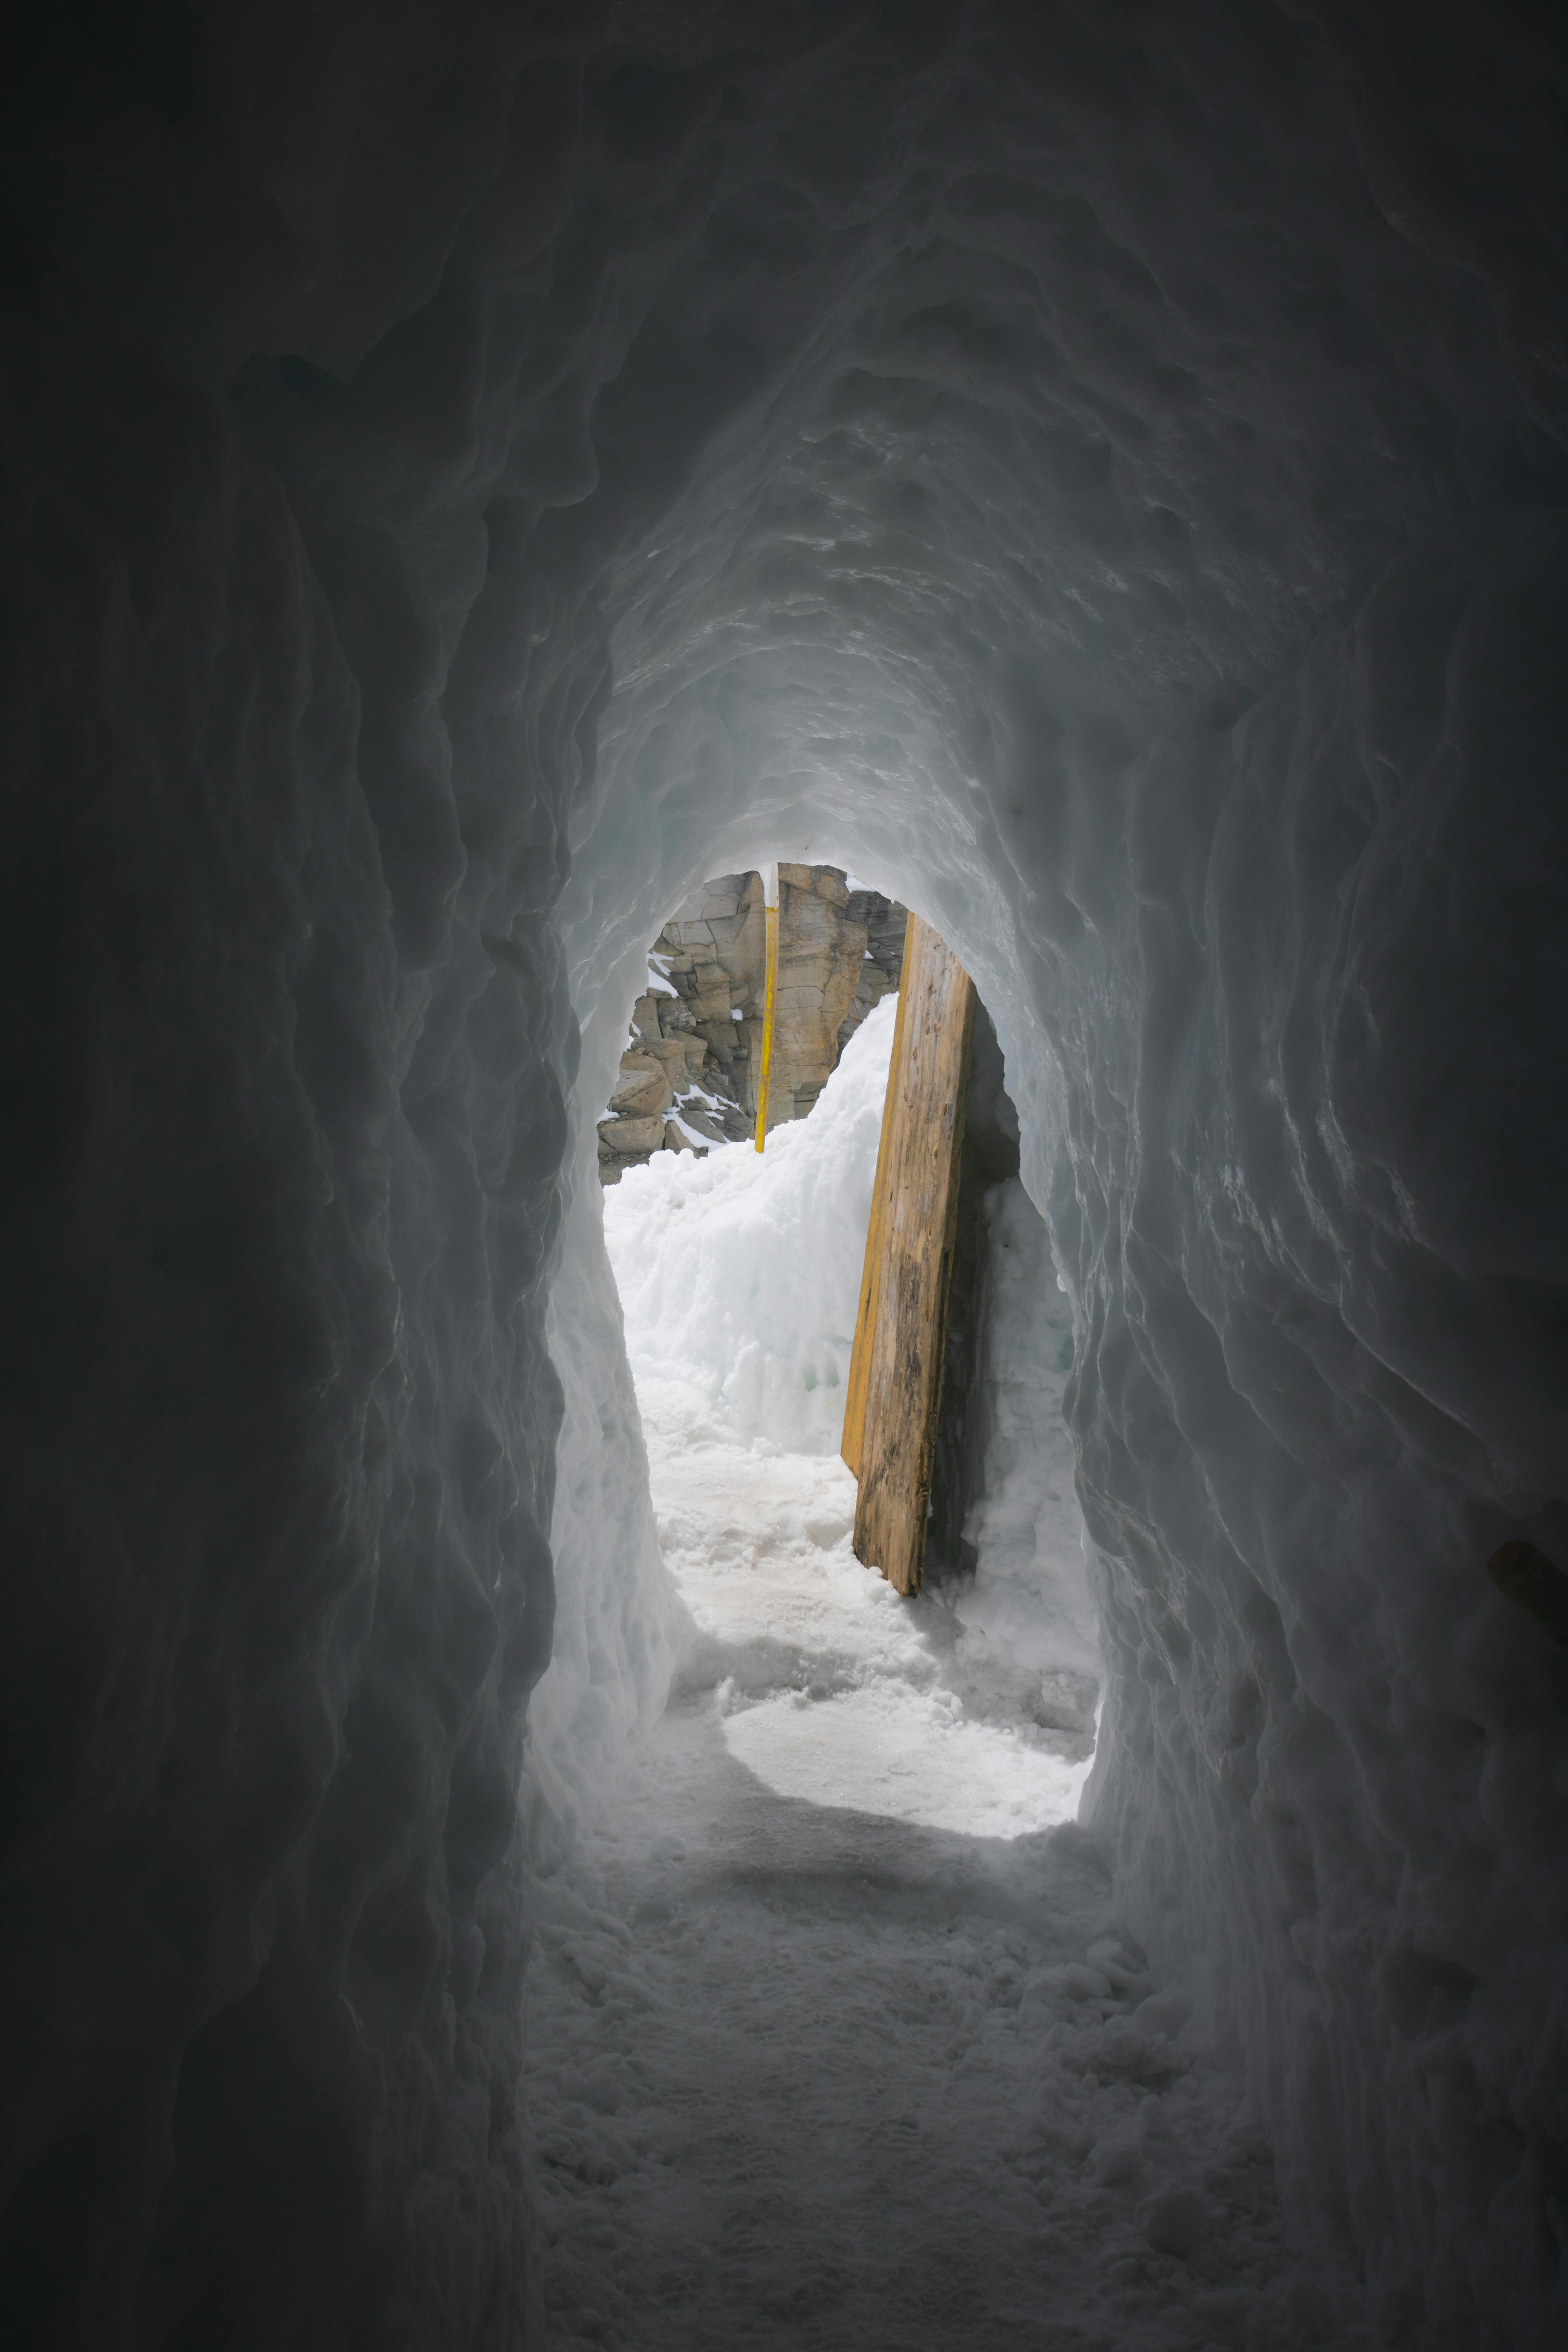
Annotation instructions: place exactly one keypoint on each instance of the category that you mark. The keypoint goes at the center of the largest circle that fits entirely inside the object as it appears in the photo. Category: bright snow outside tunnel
(971, 1705)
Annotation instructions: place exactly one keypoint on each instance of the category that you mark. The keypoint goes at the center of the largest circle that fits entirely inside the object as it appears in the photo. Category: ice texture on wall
(1028, 1617)
(1099, 473)
(1325, 1338)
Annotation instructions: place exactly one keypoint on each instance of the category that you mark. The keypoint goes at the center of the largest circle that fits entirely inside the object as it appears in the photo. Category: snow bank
(740, 1274)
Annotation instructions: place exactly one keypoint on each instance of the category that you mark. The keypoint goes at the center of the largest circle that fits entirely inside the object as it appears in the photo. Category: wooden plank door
(895, 1370)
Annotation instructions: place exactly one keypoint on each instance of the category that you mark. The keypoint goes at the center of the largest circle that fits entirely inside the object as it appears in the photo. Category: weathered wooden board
(866, 1316)
(895, 1372)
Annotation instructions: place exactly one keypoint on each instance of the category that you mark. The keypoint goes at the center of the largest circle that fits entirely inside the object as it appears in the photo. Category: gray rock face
(882, 963)
(688, 1077)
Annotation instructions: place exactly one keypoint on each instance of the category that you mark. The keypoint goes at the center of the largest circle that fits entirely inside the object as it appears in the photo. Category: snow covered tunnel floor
(807, 2076)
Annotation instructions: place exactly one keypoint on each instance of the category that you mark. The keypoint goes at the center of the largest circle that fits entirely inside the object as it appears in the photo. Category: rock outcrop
(689, 1076)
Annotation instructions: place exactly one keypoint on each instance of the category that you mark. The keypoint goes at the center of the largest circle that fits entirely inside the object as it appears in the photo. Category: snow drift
(740, 1275)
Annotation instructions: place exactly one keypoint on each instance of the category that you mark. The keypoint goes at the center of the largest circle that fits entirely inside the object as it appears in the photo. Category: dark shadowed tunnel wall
(1103, 469)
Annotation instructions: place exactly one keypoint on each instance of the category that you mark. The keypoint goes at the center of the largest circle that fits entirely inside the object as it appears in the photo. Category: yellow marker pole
(770, 990)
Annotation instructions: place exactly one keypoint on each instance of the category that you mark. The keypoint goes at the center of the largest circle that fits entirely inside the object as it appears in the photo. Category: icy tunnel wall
(1099, 471)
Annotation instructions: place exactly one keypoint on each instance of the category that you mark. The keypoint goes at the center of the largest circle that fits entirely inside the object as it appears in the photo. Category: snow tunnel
(471, 472)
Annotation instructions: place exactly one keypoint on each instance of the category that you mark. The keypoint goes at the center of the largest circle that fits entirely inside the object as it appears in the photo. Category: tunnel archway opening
(973, 1706)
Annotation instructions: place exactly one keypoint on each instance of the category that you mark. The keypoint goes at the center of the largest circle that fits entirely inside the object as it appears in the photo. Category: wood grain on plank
(895, 1374)
(865, 1318)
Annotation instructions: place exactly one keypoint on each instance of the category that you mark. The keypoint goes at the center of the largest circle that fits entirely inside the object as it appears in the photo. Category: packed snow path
(808, 2077)
(835, 2037)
